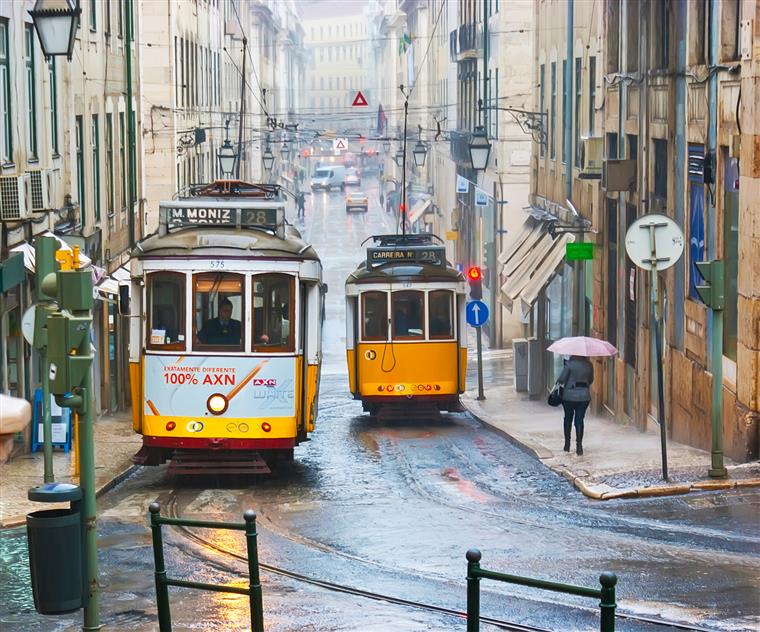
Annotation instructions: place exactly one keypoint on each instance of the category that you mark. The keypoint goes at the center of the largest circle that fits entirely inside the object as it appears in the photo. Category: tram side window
(441, 321)
(408, 315)
(218, 305)
(374, 316)
(273, 309)
(166, 298)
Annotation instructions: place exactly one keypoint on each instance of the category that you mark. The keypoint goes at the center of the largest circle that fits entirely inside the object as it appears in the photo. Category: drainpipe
(679, 293)
(714, 329)
(131, 188)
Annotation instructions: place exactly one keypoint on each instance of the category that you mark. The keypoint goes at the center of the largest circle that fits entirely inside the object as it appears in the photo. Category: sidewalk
(618, 461)
(115, 443)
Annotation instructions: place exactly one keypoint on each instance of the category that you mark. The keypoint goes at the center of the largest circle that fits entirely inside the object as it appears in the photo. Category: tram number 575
(217, 264)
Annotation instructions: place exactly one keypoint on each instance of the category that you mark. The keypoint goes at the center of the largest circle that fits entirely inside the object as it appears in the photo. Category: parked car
(328, 177)
(357, 200)
(352, 177)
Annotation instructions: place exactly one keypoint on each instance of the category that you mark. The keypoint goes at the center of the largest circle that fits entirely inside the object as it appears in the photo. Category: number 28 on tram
(226, 328)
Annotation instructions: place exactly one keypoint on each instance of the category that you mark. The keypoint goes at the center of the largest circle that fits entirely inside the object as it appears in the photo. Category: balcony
(469, 40)
(459, 146)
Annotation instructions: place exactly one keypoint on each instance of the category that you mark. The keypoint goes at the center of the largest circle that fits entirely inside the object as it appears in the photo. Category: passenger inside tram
(222, 330)
(408, 314)
(271, 311)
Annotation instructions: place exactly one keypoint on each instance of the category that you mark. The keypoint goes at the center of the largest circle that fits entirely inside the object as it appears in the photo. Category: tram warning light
(475, 279)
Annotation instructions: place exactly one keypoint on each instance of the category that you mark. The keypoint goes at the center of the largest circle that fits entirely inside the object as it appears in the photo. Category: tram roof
(226, 218)
(396, 272)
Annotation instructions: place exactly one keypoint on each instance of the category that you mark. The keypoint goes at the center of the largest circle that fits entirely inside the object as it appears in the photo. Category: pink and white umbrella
(582, 346)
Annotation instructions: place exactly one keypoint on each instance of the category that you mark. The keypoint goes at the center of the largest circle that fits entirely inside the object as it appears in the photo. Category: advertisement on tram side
(186, 386)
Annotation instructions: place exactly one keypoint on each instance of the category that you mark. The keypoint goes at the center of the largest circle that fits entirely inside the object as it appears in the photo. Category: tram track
(170, 506)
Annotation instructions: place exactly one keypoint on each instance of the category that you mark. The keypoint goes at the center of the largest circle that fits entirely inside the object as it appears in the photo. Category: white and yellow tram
(225, 339)
(405, 337)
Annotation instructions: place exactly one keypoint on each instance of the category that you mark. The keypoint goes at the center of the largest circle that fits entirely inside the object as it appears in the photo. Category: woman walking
(576, 378)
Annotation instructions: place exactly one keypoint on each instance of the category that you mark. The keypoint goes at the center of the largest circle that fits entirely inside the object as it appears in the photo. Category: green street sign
(583, 251)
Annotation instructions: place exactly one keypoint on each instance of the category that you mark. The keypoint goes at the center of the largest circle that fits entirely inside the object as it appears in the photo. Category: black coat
(214, 333)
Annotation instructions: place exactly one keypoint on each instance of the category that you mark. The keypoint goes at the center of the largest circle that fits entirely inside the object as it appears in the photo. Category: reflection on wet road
(393, 508)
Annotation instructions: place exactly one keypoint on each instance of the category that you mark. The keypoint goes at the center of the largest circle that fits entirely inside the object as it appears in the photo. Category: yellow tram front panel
(228, 397)
(407, 369)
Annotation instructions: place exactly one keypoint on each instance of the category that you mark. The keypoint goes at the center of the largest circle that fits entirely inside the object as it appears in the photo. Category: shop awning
(29, 255)
(529, 260)
(418, 209)
(110, 283)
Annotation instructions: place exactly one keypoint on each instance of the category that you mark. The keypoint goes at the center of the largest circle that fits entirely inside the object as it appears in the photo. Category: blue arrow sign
(477, 313)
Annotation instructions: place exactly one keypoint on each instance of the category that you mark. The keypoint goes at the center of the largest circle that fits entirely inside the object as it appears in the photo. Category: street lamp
(56, 23)
(285, 151)
(480, 148)
(227, 158)
(400, 157)
(387, 146)
(267, 158)
(420, 153)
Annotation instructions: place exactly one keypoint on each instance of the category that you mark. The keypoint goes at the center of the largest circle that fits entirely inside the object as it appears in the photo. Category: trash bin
(54, 538)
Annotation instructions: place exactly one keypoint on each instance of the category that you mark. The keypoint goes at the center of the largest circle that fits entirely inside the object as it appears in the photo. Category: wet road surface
(392, 509)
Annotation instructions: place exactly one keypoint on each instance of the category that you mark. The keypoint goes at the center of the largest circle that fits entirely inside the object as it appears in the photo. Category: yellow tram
(225, 337)
(405, 337)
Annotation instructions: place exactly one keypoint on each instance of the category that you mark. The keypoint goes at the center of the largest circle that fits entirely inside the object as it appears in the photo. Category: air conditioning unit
(619, 174)
(39, 193)
(14, 198)
(592, 150)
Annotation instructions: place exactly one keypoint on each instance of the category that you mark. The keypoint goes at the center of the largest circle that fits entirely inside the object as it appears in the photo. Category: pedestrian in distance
(301, 203)
(576, 379)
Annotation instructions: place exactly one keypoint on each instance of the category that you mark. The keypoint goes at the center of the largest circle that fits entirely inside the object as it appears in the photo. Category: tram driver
(222, 330)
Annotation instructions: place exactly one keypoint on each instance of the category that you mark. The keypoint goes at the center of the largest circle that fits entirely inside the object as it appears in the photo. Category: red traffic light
(474, 273)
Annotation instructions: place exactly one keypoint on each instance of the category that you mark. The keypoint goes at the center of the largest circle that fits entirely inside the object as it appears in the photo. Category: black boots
(568, 427)
(579, 441)
(579, 448)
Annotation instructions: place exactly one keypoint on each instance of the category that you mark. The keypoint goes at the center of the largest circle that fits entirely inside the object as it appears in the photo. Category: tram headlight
(217, 404)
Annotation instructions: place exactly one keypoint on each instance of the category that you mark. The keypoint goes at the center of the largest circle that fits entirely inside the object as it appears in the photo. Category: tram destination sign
(429, 255)
(179, 217)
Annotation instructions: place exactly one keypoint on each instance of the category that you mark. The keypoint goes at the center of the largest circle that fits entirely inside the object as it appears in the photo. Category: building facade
(655, 111)
(67, 142)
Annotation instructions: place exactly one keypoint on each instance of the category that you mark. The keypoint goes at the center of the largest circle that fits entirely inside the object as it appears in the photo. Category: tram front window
(408, 315)
(441, 322)
(273, 312)
(166, 300)
(219, 308)
(375, 316)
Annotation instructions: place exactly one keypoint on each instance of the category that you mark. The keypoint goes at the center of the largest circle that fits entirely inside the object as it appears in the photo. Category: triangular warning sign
(359, 99)
(340, 144)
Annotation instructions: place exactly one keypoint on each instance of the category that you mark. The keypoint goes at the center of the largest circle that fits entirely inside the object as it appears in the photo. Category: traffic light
(475, 279)
(711, 289)
(68, 337)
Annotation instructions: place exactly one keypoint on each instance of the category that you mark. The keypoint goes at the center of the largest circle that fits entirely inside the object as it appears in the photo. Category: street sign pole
(479, 344)
(641, 244)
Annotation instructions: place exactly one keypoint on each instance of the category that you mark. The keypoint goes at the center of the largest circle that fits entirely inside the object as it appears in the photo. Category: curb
(601, 491)
(19, 521)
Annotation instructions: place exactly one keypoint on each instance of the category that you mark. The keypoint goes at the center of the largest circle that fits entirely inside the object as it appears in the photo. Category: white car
(352, 177)
(357, 200)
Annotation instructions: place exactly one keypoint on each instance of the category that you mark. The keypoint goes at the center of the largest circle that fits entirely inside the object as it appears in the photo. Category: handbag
(555, 395)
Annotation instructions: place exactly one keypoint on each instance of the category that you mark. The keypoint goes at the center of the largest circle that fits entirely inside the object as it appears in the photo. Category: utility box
(520, 363)
(535, 383)
(56, 551)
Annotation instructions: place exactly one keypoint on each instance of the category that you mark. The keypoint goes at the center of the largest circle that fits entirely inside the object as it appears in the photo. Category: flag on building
(404, 42)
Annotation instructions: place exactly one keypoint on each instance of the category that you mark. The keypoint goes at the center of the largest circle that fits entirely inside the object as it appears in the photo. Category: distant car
(352, 177)
(357, 200)
(328, 177)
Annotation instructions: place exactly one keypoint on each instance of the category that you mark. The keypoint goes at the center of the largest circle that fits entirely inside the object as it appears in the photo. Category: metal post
(242, 112)
(479, 344)
(257, 608)
(473, 589)
(403, 174)
(86, 447)
(607, 603)
(717, 469)
(660, 386)
(485, 101)
(162, 590)
(47, 425)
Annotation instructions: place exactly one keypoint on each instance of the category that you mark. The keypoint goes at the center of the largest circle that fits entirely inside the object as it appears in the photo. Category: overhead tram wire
(253, 65)
(427, 50)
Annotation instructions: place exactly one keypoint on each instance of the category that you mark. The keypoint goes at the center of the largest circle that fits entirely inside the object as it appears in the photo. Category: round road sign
(654, 242)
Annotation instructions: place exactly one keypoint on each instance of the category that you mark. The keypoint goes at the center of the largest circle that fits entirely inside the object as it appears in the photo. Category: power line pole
(242, 111)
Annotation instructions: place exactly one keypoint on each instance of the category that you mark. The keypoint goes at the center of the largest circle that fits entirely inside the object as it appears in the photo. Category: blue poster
(481, 197)
(696, 235)
(463, 185)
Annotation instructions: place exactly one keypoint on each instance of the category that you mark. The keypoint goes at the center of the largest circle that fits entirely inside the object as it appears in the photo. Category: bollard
(607, 604)
(254, 595)
(162, 590)
(473, 590)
